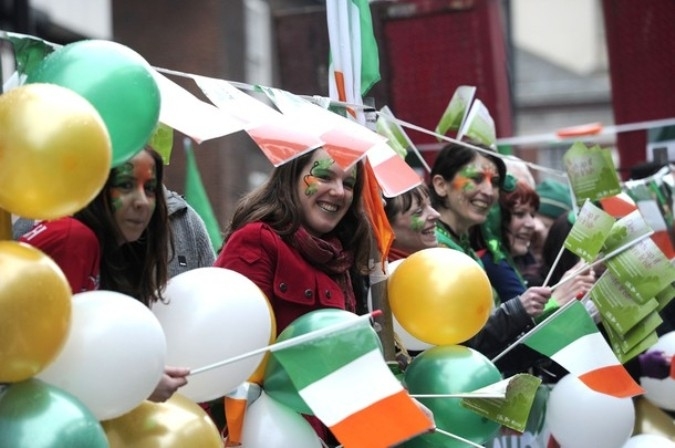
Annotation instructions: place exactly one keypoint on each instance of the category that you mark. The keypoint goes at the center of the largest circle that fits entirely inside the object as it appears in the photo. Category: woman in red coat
(303, 238)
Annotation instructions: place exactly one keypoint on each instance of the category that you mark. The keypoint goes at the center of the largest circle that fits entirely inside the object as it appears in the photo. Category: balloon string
(301, 339)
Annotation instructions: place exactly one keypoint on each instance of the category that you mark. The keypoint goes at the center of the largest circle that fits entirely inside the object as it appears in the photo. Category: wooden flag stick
(301, 339)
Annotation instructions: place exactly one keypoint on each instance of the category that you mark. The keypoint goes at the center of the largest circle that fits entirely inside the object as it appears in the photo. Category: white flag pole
(553, 266)
(456, 437)
(301, 339)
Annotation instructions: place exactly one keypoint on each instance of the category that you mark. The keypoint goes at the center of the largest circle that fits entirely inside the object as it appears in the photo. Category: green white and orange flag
(354, 65)
(354, 69)
(570, 338)
(345, 381)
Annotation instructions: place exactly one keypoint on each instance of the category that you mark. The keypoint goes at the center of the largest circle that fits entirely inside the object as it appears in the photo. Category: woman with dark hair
(118, 242)
(465, 184)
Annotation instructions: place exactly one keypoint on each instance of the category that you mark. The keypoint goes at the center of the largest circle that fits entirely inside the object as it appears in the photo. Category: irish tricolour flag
(571, 339)
(344, 379)
(355, 64)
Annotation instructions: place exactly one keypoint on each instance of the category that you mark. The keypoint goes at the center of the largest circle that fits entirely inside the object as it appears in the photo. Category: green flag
(196, 196)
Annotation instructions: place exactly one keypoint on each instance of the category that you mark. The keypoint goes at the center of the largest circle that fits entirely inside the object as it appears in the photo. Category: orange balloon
(35, 311)
(440, 296)
(177, 423)
(55, 151)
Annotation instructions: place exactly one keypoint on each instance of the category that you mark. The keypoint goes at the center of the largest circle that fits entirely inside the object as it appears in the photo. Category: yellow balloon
(176, 423)
(441, 296)
(55, 151)
(35, 311)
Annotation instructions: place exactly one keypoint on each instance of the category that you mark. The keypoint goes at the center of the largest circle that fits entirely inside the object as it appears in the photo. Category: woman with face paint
(508, 232)
(465, 184)
(413, 221)
(304, 239)
(118, 242)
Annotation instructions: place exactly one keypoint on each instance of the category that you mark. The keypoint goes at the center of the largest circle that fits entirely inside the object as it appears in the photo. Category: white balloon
(649, 441)
(661, 393)
(114, 355)
(579, 417)
(214, 314)
(409, 341)
(270, 424)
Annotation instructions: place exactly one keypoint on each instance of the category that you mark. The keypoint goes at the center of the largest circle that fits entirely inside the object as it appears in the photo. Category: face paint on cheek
(320, 168)
(416, 224)
(460, 182)
(115, 200)
(311, 185)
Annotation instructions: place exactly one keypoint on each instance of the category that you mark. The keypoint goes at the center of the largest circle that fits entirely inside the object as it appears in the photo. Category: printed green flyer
(513, 410)
(643, 270)
(627, 229)
(665, 296)
(589, 232)
(638, 348)
(626, 342)
(591, 173)
(616, 304)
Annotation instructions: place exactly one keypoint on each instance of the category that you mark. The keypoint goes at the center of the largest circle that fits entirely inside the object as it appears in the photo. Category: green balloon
(117, 81)
(276, 382)
(451, 369)
(35, 414)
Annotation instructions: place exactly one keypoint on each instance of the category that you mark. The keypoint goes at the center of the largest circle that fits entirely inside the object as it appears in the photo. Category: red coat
(292, 285)
(73, 246)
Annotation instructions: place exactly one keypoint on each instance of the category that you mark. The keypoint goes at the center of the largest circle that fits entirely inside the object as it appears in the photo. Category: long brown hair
(139, 268)
(276, 203)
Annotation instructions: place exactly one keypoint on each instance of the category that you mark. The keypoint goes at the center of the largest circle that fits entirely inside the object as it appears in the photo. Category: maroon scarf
(328, 256)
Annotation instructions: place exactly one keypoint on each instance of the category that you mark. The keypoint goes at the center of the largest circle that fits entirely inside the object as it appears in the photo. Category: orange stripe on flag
(340, 85)
(617, 206)
(372, 202)
(235, 409)
(612, 380)
(356, 431)
(663, 242)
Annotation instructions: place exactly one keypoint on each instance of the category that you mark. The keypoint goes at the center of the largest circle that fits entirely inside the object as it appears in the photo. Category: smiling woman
(304, 239)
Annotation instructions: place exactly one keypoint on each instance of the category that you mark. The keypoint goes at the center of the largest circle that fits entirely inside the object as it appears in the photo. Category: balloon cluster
(76, 370)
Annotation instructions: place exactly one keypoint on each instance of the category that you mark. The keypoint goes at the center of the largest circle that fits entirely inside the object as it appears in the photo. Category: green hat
(554, 198)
